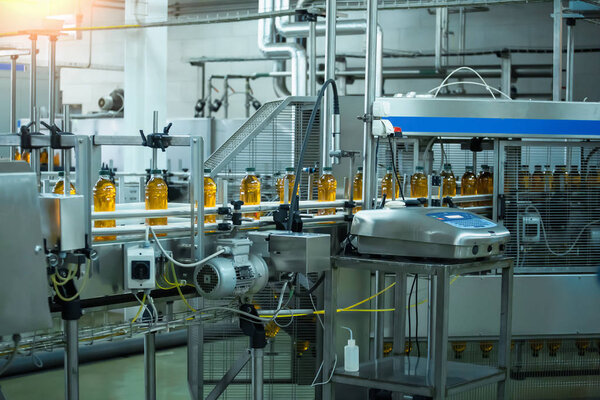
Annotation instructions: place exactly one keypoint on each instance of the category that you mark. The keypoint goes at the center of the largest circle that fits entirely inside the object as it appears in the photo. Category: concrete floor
(117, 379)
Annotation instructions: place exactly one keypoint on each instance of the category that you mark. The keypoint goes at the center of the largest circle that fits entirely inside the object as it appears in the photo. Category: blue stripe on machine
(497, 125)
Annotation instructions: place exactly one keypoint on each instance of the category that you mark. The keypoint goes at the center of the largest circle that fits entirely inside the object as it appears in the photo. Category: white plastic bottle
(350, 354)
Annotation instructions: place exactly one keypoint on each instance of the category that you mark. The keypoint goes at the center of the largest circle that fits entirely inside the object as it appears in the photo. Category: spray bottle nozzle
(351, 340)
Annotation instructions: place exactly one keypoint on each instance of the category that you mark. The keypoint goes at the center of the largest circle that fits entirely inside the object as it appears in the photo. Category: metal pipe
(154, 150)
(570, 57)
(13, 100)
(66, 154)
(248, 98)
(270, 49)
(226, 97)
(52, 101)
(557, 52)
(379, 63)
(369, 168)
(312, 58)
(257, 373)
(32, 78)
(150, 365)
(327, 108)
(71, 359)
(279, 83)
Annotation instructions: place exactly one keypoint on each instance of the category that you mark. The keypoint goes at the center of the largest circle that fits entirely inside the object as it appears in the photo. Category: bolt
(37, 249)
(195, 140)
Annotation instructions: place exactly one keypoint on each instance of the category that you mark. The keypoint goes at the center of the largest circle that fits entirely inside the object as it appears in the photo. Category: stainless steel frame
(436, 377)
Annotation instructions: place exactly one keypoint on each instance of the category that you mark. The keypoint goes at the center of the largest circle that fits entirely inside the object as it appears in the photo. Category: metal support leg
(329, 287)
(440, 348)
(150, 365)
(195, 355)
(378, 317)
(52, 95)
(33, 78)
(505, 331)
(226, 97)
(71, 359)
(312, 58)
(257, 373)
(229, 376)
(506, 73)
(399, 314)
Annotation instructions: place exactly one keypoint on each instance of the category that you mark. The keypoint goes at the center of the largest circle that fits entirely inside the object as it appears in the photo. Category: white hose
(180, 264)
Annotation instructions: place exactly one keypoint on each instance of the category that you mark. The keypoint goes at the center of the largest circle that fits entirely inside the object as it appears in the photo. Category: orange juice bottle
(290, 179)
(59, 187)
(537, 179)
(418, 183)
(357, 187)
(105, 195)
(210, 195)
(468, 184)
(326, 190)
(560, 178)
(574, 179)
(389, 185)
(157, 198)
(250, 192)
(448, 181)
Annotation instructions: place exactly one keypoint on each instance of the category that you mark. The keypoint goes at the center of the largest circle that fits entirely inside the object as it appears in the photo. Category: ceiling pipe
(293, 51)
(288, 29)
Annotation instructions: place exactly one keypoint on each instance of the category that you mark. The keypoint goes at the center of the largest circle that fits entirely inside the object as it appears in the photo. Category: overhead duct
(293, 51)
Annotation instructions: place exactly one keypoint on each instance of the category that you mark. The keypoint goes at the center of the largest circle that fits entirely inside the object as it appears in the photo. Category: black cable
(396, 170)
(316, 285)
(412, 287)
(417, 315)
(336, 110)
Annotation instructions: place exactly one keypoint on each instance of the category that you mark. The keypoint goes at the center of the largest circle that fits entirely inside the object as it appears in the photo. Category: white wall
(522, 26)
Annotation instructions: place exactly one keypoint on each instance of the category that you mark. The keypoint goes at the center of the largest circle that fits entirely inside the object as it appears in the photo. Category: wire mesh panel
(270, 150)
(552, 205)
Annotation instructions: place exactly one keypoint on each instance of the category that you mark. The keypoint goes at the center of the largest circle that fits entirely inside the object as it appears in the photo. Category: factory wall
(515, 26)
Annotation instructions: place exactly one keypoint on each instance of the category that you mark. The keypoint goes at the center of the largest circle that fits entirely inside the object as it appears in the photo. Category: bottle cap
(250, 169)
(469, 168)
(360, 169)
(537, 167)
(547, 166)
(156, 172)
(207, 170)
(61, 173)
(389, 169)
(327, 169)
(419, 168)
(447, 166)
(351, 342)
(290, 169)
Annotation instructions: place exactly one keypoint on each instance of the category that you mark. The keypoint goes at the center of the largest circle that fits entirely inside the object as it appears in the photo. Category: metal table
(432, 375)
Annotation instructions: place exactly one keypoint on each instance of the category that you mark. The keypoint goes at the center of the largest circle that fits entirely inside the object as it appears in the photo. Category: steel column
(71, 359)
(195, 355)
(248, 98)
(150, 365)
(506, 76)
(504, 343)
(399, 314)
(570, 58)
(378, 318)
(13, 100)
(226, 97)
(257, 373)
(312, 58)
(329, 350)
(154, 150)
(440, 347)
(369, 168)
(557, 60)
(52, 95)
(33, 78)
(327, 109)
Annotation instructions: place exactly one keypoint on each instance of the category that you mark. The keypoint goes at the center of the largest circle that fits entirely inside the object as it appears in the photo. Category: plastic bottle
(485, 183)
(548, 178)
(250, 192)
(560, 177)
(44, 156)
(574, 179)
(468, 184)
(326, 190)
(157, 194)
(290, 178)
(593, 177)
(17, 155)
(418, 183)
(59, 187)
(210, 195)
(26, 156)
(524, 178)
(279, 184)
(56, 159)
(357, 187)
(351, 363)
(387, 183)
(448, 181)
(537, 179)
(105, 195)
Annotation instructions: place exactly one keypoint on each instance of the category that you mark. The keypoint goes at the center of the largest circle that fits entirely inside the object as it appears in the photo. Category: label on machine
(460, 219)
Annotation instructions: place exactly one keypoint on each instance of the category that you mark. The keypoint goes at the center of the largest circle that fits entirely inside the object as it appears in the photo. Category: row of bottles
(545, 180)
(26, 156)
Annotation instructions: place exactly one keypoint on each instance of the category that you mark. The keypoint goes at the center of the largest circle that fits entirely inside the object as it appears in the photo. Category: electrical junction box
(63, 223)
(140, 268)
(531, 228)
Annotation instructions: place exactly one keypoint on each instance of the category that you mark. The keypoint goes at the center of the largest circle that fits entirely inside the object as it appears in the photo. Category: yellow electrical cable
(178, 286)
(369, 298)
(83, 284)
(140, 309)
(63, 281)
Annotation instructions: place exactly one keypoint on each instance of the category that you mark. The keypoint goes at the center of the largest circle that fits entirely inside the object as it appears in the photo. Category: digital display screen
(461, 219)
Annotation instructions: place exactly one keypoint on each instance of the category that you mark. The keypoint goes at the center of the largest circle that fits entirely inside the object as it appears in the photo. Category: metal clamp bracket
(157, 140)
